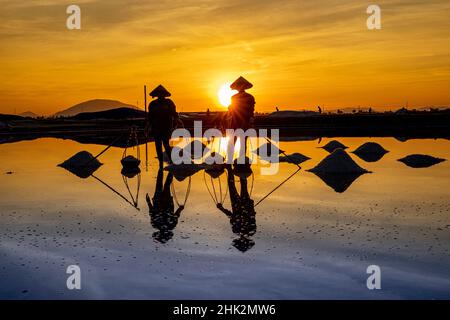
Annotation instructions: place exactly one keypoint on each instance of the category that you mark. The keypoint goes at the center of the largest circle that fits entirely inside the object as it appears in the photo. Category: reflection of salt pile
(214, 165)
(183, 171)
(338, 170)
(82, 164)
(370, 152)
(420, 161)
(295, 158)
(333, 145)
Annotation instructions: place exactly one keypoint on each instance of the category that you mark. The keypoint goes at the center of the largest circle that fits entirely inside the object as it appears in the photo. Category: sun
(225, 93)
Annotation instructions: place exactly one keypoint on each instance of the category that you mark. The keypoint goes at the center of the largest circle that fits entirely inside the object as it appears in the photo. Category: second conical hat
(241, 84)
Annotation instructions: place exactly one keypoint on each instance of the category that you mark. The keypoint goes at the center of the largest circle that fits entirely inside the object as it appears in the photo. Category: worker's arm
(226, 211)
(175, 116)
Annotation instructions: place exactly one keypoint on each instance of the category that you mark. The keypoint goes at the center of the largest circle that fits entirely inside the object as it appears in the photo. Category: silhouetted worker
(242, 214)
(161, 211)
(162, 115)
(242, 106)
(319, 109)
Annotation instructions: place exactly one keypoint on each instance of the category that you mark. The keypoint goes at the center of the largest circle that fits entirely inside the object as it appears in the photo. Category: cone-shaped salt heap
(370, 152)
(420, 161)
(82, 164)
(338, 170)
(333, 145)
(338, 162)
(295, 158)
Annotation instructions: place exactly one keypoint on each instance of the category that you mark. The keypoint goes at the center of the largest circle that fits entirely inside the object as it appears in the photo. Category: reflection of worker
(162, 114)
(242, 214)
(161, 210)
(242, 106)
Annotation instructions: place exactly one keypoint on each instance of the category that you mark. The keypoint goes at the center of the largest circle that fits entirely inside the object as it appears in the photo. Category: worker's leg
(159, 151)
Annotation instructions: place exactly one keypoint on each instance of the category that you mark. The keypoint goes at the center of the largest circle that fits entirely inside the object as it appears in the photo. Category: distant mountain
(93, 106)
(28, 114)
(434, 108)
(119, 113)
(291, 114)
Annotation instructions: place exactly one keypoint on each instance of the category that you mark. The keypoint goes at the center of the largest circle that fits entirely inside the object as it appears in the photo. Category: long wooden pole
(146, 125)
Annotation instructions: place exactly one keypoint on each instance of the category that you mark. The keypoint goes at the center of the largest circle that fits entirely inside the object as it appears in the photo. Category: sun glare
(225, 93)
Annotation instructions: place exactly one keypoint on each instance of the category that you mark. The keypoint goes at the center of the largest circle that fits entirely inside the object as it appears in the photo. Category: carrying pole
(146, 132)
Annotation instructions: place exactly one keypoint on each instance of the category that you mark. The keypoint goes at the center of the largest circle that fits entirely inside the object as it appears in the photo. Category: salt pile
(333, 145)
(130, 162)
(338, 162)
(183, 171)
(295, 158)
(82, 164)
(420, 161)
(370, 152)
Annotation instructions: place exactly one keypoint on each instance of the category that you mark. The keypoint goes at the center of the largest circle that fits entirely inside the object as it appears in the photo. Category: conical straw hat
(241, 84)
(160, 91)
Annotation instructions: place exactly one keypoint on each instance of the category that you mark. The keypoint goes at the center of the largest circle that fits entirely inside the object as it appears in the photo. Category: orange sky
(297, 53)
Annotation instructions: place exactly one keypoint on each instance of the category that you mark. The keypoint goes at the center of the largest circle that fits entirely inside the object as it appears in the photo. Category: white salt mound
(295, 158)
(81, 159)
(370, 148)
(333, 145)
(338, 162)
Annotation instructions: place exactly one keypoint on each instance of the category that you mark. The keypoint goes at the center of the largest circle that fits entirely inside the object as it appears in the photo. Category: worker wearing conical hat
(162, 115)
(242, 106)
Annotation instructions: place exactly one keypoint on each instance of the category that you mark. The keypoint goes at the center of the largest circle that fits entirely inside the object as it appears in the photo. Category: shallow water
(310, 241)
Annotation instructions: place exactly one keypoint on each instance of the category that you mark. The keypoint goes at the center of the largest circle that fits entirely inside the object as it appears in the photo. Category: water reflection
(242, 213)
(339, 182)
(161, 207)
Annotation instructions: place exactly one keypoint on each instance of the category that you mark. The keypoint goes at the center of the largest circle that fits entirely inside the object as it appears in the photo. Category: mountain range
(93, 106)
